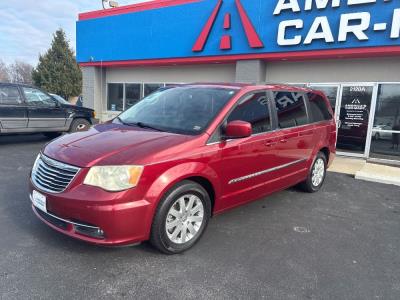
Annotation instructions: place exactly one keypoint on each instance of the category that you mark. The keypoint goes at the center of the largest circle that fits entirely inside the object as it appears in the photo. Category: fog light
(93, 232)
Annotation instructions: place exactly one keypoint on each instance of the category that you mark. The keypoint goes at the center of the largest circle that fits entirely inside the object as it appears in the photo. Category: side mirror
(237, 130)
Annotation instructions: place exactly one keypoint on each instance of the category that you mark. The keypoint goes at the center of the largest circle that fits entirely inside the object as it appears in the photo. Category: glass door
(386, 131)
(355, 119)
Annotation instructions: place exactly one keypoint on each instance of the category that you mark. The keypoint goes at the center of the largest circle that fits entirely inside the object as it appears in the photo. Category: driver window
(36, 97)
(254, 108)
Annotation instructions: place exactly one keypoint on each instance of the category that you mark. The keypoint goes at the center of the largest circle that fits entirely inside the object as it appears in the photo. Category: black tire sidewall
(159, 234)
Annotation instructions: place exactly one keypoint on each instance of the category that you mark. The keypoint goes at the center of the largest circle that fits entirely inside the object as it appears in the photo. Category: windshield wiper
(139, 124)
(120, 120)
(144, 125)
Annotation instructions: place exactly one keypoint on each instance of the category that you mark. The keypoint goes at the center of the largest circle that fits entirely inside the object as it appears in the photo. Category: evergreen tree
(58, 71)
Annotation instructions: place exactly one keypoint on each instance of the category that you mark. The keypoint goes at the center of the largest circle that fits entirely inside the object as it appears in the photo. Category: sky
(26, 26)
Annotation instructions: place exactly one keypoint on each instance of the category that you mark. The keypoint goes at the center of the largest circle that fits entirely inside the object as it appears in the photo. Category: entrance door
(354, 119)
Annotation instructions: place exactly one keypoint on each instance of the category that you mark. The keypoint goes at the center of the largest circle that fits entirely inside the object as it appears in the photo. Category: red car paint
(168, 158)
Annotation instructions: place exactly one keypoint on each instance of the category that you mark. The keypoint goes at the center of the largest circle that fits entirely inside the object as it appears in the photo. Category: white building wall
(338, 70)
(167, 74)
(174, 74)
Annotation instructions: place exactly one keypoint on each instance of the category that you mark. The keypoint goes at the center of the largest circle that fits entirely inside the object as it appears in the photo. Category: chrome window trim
(246, 177)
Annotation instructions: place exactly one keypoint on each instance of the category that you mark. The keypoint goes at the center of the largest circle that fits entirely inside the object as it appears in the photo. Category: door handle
(283, 141)
(306, 133)
(270, 143)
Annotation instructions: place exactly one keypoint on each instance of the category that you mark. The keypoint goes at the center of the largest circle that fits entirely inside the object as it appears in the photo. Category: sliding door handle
(270, 143)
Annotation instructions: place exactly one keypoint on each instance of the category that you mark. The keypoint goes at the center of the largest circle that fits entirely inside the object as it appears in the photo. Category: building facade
(350, 49)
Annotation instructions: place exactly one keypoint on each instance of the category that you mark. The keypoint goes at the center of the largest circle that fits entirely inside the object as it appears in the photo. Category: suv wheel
(181, 218)
(79, 125)
(316, 176)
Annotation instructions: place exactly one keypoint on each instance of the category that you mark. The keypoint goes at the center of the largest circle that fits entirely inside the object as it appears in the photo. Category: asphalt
(341, 243)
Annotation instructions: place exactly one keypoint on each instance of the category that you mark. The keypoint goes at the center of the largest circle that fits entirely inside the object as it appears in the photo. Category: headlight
(114, 178)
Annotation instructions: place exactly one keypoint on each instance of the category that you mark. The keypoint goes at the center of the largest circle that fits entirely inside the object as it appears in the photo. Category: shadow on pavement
(22, 138)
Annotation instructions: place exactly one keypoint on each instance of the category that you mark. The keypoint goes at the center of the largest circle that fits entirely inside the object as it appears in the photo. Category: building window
(386, 130)
(291, 109)
(133, 92)
(150, 88)
(115, 97)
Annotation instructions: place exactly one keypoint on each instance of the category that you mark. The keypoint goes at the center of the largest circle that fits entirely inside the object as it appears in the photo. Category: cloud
(26, 26)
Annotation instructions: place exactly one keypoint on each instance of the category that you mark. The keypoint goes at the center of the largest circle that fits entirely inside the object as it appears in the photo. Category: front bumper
(111, 219)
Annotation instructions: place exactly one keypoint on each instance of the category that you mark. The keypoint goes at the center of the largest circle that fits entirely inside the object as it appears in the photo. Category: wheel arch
(326, 152)
(200, 173)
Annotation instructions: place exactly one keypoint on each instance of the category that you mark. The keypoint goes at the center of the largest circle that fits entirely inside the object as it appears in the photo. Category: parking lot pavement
(341, 243)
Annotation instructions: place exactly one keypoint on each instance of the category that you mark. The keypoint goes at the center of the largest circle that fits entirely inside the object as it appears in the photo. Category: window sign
(354, 118)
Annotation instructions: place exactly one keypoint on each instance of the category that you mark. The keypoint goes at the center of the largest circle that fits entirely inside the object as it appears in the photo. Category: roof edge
(155, 4)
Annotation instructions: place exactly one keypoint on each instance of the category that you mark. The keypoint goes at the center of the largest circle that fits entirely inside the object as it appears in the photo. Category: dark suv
(27, 109)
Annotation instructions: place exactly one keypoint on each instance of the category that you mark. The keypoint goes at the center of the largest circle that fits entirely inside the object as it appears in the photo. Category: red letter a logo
(226, 44)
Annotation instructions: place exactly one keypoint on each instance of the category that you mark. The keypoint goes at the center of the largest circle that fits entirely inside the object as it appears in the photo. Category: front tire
(316, 176)
(181, 218)
(79, 125)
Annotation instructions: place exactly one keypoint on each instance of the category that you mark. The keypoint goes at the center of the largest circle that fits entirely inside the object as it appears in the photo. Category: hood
(77, 108)
(113, 144)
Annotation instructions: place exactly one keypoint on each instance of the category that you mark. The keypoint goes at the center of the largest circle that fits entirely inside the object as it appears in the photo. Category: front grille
(52, 176)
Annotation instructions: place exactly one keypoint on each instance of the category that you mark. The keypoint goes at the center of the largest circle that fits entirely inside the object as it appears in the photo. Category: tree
(4, 76)
(58, 71)
(20, 72)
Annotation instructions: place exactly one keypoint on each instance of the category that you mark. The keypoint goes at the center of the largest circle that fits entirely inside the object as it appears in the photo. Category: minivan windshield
(182, 110)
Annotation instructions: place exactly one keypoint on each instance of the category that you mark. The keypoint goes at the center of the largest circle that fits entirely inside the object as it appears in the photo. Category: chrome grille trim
(52, 176)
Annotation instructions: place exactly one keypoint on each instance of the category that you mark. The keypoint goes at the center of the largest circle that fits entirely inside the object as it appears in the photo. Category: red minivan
(162, 168)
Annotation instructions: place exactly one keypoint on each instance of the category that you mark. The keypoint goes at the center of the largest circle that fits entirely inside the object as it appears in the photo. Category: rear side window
(254, 108)
(9, 95)
(291, 109)
(319, 109)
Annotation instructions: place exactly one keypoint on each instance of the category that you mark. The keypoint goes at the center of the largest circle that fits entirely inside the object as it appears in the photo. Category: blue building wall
(171, 32)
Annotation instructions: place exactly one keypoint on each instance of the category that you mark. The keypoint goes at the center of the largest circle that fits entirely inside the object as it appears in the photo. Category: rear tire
(79, 125)
(316, 175)
(52, 135)
(181, 218)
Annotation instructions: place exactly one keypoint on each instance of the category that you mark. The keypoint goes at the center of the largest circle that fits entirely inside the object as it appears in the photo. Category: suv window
(9, 95)
(254, 108)
(319, 110)
(36, 97)
(291, 109)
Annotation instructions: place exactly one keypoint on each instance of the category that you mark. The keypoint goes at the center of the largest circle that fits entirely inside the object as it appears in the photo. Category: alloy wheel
(318, 172)
(184, 219)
